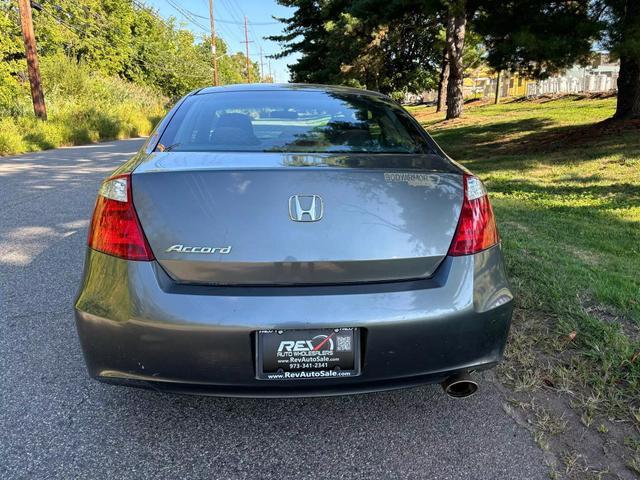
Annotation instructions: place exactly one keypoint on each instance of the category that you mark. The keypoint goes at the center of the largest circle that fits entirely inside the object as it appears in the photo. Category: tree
(443, 81)
(395, 57)
(305, 33)
(12, 62)
(355, 42)
(386, 46)
(622, 35)
(537, 38)
(113, 37)
(541, 37)
(456, 29)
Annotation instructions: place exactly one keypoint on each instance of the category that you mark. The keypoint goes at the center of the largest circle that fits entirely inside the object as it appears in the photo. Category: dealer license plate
(308, 354)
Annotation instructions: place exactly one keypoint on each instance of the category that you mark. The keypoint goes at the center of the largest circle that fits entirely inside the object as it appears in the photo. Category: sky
(229, 16)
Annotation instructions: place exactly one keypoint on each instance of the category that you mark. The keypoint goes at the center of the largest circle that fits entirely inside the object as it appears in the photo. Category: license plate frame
(290, 354)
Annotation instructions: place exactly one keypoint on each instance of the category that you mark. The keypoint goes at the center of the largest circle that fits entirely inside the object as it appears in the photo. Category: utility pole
(26, 23)
(246, 42)
(214, 53)
(261, 67)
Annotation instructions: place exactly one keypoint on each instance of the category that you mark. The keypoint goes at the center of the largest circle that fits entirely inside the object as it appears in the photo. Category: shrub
(133, 122)
(39, 135)
(397, 95)
(11, 140)
(82, 106)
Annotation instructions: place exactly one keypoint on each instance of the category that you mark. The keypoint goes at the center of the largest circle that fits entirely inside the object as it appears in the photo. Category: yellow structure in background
(601, 75)
(517, 86)
(481, 82)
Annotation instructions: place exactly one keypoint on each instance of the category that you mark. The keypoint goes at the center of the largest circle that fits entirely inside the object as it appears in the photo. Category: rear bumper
(137, 327)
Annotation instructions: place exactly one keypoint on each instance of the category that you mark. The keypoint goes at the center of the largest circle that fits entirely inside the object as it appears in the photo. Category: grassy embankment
(83, 107)
(566, 191)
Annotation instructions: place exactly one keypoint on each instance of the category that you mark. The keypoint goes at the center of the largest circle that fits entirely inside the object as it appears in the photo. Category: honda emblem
(305, 208)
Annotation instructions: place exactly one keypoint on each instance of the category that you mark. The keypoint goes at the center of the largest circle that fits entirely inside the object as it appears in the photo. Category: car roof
(254, 87)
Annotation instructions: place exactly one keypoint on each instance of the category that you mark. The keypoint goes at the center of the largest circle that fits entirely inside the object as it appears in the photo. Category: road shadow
(67, 168)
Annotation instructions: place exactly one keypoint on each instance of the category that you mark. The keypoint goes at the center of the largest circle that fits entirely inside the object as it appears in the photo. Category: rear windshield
(292, 121)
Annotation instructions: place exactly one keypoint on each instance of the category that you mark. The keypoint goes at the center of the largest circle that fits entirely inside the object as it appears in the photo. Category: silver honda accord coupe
(292, 240)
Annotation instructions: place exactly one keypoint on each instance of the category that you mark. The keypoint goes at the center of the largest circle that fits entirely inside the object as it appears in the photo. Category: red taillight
(476, 227)
(115, 228)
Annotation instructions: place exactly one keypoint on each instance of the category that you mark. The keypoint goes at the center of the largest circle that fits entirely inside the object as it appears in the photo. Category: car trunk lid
(232, 219)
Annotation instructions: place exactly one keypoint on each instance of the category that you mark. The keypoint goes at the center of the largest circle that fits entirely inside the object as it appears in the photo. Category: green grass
(83, 107)
(566, 192)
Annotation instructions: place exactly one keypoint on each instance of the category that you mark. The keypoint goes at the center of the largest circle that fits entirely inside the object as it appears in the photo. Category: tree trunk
(628, 89)
(628, 105)
(442, 84)
(497, 99)
(455, 44)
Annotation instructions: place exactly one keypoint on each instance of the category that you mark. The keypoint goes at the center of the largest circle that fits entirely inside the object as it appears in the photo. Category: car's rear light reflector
(476, 229)
(115, 228)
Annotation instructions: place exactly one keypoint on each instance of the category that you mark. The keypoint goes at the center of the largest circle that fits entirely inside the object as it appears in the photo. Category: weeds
(83, 107)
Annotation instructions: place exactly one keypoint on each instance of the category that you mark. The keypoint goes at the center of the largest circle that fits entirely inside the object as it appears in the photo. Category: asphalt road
(57, 423)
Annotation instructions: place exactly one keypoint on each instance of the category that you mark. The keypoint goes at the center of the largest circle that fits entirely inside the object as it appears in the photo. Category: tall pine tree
(358, 41)
(622, 20)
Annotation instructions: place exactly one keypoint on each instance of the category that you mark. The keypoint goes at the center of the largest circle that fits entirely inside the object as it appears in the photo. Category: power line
(85, 35)
(266, 54)
(232, 22)
(253, 23)
(187, 15)
(230, 34)
(231, 10)
(60, 12)
(255, 39)
(71, 28)
(191, 17)
(234, 8)
(82, 7)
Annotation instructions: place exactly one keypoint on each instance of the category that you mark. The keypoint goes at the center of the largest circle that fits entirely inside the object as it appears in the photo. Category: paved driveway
(57, 423)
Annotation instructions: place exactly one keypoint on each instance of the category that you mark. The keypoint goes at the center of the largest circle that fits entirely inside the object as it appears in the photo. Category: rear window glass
(292, 121)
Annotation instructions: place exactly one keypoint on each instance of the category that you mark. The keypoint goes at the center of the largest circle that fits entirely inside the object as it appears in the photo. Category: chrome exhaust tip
(459, 386)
